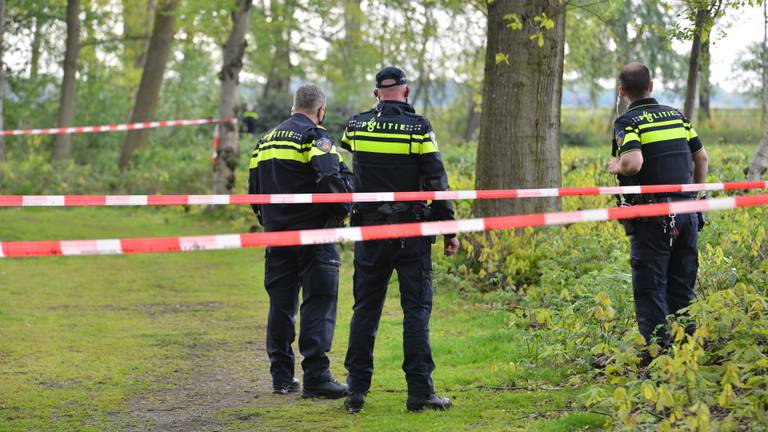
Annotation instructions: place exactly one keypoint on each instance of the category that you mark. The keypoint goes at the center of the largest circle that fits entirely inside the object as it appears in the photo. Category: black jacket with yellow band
(665, 138)
(298, 157)
(395, 150)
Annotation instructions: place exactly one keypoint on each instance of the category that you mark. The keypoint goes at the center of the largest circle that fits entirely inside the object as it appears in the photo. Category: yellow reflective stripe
(404, 137)
(692, 133)
(317, 152)
(254, 162)
(664, 123)
(345, 138)
(664, 135)
(382, 147)
(284, 143)
(632, 136)
(283, 154)
(428, 147)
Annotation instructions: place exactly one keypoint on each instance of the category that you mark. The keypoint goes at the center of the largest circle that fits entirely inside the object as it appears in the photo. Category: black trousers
(315, 271)
(663, 277)
(374, 263)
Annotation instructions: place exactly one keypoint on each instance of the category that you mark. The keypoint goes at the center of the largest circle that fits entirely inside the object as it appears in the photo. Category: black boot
(285, 388)
(331, 389)
(433, 401)
(354, 402)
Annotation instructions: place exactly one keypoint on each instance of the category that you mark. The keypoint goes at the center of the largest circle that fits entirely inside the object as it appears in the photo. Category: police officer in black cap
(394, 150)
(655, 144)
(298, 156)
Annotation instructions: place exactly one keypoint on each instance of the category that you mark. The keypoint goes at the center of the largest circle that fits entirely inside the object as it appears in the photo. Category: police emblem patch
(619, 138)
(324, 144)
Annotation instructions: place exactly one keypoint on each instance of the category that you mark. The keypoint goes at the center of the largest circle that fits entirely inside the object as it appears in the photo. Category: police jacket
(298, 157)
(666, 140)
(395, 151)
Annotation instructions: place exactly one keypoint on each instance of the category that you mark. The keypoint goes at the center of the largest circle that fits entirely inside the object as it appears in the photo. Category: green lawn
(175, 342)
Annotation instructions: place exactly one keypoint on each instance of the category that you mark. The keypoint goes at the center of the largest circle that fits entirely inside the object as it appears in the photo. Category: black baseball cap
(390, 73)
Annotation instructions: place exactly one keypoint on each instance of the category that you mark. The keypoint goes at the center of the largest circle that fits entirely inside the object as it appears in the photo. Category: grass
(175, 341)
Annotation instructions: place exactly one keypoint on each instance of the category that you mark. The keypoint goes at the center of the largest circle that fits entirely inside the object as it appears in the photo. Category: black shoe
(285, 388)
(433, 401)
(330, 389)
(354, 402)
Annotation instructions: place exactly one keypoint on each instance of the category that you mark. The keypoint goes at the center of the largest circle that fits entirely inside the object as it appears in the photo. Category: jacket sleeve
(333, 176)
(432, 173)
(348, 136)
(626, 137)
(694, 142)
(254, 186)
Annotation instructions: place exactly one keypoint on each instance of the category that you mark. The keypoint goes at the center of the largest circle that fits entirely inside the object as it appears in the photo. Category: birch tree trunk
(148, 95)
(229, 148)
(520, 128)
(63, 143)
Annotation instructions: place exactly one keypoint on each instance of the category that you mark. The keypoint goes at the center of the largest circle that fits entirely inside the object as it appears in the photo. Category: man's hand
(450, 246)
(614, 165)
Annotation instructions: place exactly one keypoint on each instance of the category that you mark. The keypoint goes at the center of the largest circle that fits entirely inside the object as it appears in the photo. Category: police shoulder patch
(619, 137)
(324, 144)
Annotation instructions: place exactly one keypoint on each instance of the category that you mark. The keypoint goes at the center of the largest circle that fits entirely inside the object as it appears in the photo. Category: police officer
(394, 150)
(298, 156)
(249, 121)
(655, 144)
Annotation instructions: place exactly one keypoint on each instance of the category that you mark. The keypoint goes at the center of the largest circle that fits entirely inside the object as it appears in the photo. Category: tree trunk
(520, 127)
(705, 86)
(2, 89)
(229, 149)
(693, 63)
(62, 143)
(759, 164)
(151, 78)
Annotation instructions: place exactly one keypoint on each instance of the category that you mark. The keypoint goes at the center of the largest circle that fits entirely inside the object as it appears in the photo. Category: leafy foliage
(570, 289)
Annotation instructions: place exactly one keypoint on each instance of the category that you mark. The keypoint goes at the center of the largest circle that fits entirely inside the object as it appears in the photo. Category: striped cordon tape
(165, 200)
(115, 127)
(376, 232)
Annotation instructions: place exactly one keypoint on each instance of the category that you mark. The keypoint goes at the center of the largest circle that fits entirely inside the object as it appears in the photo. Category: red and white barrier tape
(164, 200)
(377, 232)
(114, 127)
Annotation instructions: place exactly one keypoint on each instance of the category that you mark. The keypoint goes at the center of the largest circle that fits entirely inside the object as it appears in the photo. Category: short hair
(308, 98)
(635, 78)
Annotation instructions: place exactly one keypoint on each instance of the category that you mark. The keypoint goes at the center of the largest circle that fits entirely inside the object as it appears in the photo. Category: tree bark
(759, 164)
(693, 62)
(520, 127)
(148, 94)
(62, 143)
(229, 149)
(705, 86)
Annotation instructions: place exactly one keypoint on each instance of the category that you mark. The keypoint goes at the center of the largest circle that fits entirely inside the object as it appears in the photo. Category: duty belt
(389, 213)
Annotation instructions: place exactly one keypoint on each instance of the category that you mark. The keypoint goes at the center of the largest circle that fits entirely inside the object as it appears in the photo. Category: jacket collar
(642, 102)
(388, 107)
